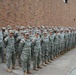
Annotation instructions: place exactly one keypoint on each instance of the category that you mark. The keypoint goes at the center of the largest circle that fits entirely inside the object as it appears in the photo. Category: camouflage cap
(45, 31)
(26, 32)
(37, 31)
(50, 30)
(11, 31)
(3, 28)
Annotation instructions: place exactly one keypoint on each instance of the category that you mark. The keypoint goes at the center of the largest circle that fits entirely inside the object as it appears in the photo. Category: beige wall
(38, 12)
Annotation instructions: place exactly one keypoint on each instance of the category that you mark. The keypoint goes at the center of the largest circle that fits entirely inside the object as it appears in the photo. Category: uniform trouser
(32, 48)
(19, 57)
(62, 47)
(53, 52)
(59, 49)
(66, 45)
(2, 53)
(50, 53)
(36, 59)
(16, 49)
(70, 44)
(10, 56)
(26, 61)
(56, 49)
(44, 55)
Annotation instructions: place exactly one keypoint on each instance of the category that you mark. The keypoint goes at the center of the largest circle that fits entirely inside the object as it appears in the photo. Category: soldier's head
(45, 33)
(56, 31)
(30, 32)
(3, 29)
(26, 34)
(11, 33)
(22, 27)
(9, 27)
(22, 33)
(50, 31)
(61, 30)
(37, 33)
(17, 28)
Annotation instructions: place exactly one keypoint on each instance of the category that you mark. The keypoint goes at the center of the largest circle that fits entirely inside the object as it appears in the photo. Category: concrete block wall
(38, 12)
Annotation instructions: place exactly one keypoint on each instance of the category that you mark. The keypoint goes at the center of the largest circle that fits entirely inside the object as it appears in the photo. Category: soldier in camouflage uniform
(26, 54)
(19, 38)
(37, 51)
(16, 35)
(10, 51)
(1, 47)
(51, 45)
(56, 43)
(45, 47)
(61, 41)
(4, 34)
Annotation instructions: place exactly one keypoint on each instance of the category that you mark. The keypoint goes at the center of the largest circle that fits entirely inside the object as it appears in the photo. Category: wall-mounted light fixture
(65, 1)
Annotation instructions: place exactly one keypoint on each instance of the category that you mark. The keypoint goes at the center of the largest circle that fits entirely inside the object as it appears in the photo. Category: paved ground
(65, 65)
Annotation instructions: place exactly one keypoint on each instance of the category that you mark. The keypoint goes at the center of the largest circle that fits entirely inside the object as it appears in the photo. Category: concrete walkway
(64, 65)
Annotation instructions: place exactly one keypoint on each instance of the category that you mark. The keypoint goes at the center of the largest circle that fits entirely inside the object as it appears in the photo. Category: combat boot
(9, 70)
(43, 64)
(25, 73)
(3, 61)
(49, 60)
(29, 72)
(20, 65)
(46, 62)
(39, 67)
(13, 67)
(36, 69)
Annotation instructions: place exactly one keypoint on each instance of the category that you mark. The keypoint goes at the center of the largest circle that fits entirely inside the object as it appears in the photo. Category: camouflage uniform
(26, 54)
(37, 52)
(19, 38)
(10, 51)
(1, 47)
(51, 45)
(45, 47)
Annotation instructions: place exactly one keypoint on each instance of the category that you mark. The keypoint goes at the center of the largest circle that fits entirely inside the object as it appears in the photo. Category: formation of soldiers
(40, 44)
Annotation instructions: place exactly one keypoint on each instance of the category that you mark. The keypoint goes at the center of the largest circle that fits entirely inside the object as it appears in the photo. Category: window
(65, 1)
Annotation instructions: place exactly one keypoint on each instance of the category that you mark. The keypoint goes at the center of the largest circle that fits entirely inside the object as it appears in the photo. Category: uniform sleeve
(21, 44)
(5, 42)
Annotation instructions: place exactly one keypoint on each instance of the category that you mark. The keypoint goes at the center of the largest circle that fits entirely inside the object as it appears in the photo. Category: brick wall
(37, 12)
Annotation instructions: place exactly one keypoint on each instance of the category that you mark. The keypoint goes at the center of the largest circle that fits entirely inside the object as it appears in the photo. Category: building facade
(38, 12)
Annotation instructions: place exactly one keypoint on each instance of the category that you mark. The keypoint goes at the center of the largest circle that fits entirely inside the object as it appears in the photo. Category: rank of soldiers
(40, 44)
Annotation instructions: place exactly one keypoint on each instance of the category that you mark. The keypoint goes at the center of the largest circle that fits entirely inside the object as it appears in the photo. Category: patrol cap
(11, 31)
(45, 31)
(26, 33)
(16, 26)
(37, 31)
(3, 28)
(61, 29)
(8, 27)
(30, 30)
(42, 26)
(22, 27)
(50, 30)
(21, 32)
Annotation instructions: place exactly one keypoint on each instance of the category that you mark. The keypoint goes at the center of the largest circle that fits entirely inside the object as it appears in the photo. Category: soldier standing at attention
(45, 47)
(10, 51)
(51, 45)
(37, 51)
(1, 47)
